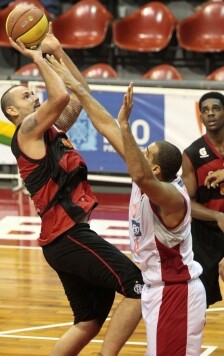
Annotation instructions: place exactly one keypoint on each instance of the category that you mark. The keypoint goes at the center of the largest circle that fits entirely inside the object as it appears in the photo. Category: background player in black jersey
(214, 180)
(203, 156)
(90, 269)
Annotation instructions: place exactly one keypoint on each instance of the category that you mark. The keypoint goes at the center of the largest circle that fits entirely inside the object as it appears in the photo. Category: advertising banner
(99, 154)
(158, 114)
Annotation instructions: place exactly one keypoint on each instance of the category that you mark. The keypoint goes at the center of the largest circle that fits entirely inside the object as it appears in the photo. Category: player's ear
(156, 169)
(11, 111)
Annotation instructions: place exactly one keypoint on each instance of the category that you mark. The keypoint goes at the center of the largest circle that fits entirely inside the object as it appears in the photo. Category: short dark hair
(6, 101)
(211, 95)
(169, 158)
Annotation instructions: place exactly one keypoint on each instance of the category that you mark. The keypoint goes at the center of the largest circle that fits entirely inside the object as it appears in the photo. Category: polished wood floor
(34, 312)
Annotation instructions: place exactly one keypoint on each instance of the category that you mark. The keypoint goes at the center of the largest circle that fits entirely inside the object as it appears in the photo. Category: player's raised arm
(102, 120)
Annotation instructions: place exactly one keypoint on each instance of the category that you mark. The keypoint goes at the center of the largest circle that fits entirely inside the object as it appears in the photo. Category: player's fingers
(51, 59)
(50, 29)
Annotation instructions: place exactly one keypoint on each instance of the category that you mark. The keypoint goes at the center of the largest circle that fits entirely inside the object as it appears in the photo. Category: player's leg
(113, 270)
(76, 338)
(103, 266)
(90, 305)
(196, 317)
(124, 320)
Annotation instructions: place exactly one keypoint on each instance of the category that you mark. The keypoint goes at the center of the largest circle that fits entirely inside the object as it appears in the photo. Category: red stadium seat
(204, 30)
(29, 69)
(84, 25)
(163, 72)
(100, 70)
(217, 74)
(148, 29)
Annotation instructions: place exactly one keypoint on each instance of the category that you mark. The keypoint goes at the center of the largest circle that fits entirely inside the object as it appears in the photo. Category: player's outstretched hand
(125, 111)
(61, 69)
(28, 52)
(50, 43)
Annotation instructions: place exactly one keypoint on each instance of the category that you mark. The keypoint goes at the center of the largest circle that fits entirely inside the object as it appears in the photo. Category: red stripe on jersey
(173, 270)
(172, 321)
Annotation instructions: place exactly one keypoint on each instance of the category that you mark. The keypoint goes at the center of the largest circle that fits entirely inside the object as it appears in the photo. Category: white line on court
(10, 334)
(208, 349)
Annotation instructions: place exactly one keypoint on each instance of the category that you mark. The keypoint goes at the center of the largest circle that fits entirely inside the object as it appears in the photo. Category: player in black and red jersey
(90, 269)
(203, 156)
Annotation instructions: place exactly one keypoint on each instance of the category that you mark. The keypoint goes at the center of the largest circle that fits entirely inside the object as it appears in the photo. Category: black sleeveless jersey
(57, 184)
(205, 158)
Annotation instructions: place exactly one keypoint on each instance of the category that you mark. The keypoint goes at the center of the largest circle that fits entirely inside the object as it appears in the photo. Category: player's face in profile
(149, 152)
(24, 101)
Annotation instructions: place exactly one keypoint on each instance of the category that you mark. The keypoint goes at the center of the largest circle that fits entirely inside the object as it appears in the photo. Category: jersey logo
(138, 288)
(136, 228)
(203, 153)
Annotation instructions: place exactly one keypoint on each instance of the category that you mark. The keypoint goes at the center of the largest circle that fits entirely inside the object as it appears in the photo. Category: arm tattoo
(69, 116)
(29, 124)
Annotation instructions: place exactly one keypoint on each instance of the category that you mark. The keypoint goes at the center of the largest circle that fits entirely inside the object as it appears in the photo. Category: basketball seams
(22, 26)
(27, 23)
(41, 22)
(14, 16)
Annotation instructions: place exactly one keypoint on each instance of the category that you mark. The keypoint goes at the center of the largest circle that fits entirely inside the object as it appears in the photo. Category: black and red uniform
(208, 239)
(91, 269)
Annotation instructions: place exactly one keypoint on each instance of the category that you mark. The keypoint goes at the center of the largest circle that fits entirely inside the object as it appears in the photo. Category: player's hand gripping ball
(27, 23)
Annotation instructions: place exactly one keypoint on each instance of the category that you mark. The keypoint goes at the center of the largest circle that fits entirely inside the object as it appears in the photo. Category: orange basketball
(27, 23)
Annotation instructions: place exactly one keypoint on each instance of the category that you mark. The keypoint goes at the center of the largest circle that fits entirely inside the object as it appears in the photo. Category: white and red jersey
(165, 255)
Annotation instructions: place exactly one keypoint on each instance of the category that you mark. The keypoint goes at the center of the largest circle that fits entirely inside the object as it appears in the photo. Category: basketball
(27, 23)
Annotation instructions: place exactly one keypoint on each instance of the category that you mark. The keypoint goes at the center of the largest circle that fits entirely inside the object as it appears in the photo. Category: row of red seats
(148, 29)
(105, 71)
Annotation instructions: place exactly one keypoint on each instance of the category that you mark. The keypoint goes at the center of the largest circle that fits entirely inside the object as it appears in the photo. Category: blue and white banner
(158, 114)
(147, 124)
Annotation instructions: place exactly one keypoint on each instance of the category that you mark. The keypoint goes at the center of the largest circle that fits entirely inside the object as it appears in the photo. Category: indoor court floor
(34, 311)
